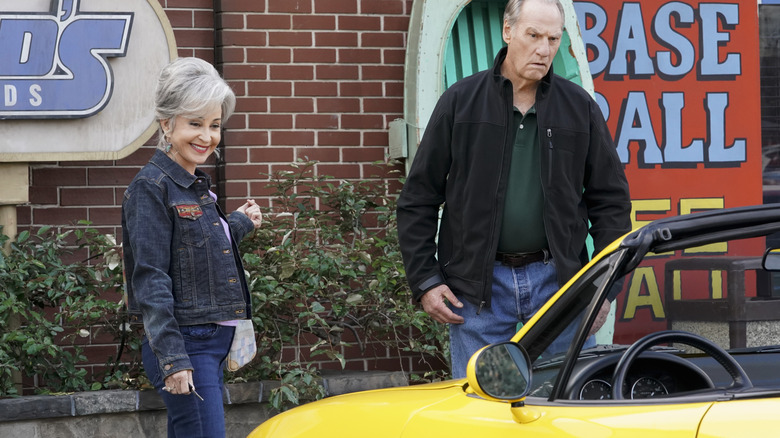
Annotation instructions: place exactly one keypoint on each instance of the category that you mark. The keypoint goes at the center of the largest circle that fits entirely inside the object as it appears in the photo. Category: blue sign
(55, 65)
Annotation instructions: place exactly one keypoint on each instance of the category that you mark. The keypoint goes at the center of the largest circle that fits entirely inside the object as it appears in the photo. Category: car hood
(382, 413)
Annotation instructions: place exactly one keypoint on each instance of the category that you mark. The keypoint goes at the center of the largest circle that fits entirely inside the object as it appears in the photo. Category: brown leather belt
(516, 260)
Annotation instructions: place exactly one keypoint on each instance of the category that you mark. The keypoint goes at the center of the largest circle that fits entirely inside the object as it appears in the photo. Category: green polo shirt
(522, 228)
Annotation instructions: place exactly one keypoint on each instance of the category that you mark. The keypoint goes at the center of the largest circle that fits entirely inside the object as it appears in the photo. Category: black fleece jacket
(463, 163)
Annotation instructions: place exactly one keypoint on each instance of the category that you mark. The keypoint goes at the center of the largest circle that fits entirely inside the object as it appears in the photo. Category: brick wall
(315, 80)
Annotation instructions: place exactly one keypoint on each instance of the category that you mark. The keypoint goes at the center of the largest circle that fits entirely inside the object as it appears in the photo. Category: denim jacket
(180, 267)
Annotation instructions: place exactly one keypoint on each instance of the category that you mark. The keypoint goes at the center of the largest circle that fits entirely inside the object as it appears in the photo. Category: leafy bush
(326, 262)
(47, 304)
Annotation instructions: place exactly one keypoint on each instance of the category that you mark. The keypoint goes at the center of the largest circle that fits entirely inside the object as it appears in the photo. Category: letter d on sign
(10, 95)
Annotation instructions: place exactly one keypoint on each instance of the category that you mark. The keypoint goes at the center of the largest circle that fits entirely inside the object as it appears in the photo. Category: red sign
(679, 85)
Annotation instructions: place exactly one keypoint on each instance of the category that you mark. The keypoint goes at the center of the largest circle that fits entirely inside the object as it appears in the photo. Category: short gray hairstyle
(190, 86)
(513, 11)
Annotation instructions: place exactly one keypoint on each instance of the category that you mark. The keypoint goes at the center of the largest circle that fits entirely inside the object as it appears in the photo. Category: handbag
(243, 348)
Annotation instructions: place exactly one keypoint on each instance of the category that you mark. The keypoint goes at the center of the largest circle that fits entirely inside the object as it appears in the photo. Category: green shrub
(47, 304)
(326, 262)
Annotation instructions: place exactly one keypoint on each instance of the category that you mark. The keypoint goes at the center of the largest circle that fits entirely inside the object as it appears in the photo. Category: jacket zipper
(549, 155)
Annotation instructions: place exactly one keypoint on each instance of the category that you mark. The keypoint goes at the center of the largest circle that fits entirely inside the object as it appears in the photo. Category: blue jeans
(207, 346)
(517, 294)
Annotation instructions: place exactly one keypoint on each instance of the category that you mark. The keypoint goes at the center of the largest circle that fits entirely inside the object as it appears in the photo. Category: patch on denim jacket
(189, 211)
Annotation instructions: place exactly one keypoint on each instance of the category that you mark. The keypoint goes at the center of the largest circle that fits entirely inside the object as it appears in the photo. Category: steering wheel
(739, 377)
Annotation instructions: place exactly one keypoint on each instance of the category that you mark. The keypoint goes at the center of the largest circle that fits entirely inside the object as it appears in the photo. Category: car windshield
(712, 288)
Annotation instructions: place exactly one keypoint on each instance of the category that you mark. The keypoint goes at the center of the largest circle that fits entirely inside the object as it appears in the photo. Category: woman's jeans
(188, 416)
(518, 292)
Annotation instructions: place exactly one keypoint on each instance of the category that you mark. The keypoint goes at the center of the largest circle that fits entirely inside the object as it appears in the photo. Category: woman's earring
(168, 144)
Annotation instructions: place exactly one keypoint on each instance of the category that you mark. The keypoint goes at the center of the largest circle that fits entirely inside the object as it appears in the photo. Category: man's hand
(434, 302)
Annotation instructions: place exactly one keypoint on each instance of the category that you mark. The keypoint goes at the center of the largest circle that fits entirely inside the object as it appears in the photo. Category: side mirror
(771, 261)
(500, 372)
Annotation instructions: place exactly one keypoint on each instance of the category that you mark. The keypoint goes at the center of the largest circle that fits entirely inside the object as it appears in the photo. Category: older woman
(185, 279)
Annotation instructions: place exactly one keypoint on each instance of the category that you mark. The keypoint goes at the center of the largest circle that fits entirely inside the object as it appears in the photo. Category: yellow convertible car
(690, 348)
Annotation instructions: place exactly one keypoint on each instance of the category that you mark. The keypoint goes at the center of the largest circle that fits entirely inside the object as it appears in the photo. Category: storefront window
(769, 31)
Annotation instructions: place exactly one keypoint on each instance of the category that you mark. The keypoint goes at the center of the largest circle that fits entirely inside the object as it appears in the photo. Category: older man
(522, 160)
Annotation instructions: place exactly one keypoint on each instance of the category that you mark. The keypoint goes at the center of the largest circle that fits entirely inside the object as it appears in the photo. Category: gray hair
(190, 86)
(513, 11)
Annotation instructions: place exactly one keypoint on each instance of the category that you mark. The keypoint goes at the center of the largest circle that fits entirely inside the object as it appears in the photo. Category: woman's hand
(252, 211)
(179, 383)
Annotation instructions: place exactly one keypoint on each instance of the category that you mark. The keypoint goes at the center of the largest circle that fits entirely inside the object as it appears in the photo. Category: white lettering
(9, 95)
(35, 92)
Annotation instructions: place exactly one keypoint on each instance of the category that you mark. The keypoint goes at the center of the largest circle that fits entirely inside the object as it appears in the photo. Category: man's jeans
(517, 294)
(207, 346)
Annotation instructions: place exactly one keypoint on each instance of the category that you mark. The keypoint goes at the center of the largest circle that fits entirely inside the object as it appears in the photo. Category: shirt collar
(176, 172)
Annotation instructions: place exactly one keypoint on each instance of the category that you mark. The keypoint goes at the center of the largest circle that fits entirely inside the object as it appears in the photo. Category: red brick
(316, 121)
(337, 72)
(287, 39)
(394, 89)
(271, 121)
(104, 176)
(375, 138)
(243, 38)
(384, 105)
(236, 154)
(318, 154)
(382, 39)
(336, 6)
(105, 216)
(336, 39)
(338, 138)
(292, 138)
(180, 18)
(266, 88)
(363, 154)
(261, 189)
(231, 21)
(203, 19)
(244, 71)
(250, 171)
(194, 37)
(43, 195)
(360, 56)
(362, 121)
(281, 55)
(381, 6)
(206, 54)
(248, 138)
(58, 215)
(395, 23)
(338, 105)
(374, 171)
(272, 155)
(321, 56)
(292, 72)
(316, 89)
(290, 6)
(251, 104)
(236, 122)
(339, 170)
(292, 105)
(275, 21)
(362, 88)
(394, 56)
(237, 189)
(242, 6)
(359, 22)
(371, 72)
(54, 176)
(319, 22)
(232, 54)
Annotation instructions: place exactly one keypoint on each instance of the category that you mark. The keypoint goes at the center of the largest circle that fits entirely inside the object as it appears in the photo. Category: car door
(755, 418)
(471, 416)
